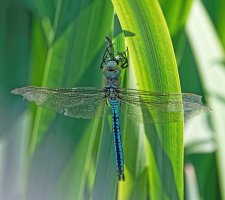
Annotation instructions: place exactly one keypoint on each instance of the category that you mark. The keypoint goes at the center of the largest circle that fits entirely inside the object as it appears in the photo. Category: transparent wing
(148, 107)
(84, 102)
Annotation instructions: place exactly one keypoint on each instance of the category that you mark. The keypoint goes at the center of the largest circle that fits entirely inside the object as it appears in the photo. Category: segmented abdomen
(117, 139)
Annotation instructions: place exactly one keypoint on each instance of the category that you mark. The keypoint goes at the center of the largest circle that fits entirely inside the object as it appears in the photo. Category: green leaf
(215, 9)
(71, 48)
(105, 166)
(15, 41)
(176, 13)
(202, 177)
(154, 67)
(209, 56)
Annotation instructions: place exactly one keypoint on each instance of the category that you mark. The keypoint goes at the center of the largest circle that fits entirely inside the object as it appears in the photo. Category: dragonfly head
(111, 65)
(111, 70)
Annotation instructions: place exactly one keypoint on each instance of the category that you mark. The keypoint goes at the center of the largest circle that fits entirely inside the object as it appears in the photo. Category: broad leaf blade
(154, 65)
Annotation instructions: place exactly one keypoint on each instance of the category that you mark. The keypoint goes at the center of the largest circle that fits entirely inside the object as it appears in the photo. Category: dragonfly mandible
(91, 102)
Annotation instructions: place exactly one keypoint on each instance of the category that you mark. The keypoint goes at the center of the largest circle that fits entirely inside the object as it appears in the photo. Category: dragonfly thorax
(111, 93)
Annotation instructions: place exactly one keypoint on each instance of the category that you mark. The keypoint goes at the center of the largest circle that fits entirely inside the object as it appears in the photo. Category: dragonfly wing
(192, 105)
(149, 107)
(84, 103)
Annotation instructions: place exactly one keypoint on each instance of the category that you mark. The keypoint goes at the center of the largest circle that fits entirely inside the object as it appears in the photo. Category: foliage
(45, 155)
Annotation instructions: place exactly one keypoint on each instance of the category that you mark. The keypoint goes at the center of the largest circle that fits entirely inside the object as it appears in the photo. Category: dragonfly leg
(122, 59)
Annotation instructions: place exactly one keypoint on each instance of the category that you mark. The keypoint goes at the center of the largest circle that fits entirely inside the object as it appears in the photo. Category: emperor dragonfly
(91, 102)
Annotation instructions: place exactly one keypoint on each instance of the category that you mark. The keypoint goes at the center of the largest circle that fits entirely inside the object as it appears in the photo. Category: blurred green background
(55, 43)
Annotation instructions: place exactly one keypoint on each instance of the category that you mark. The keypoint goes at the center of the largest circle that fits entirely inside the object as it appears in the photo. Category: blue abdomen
(117, 139)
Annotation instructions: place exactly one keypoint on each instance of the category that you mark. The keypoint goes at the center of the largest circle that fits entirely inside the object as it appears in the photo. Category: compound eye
(112, 64)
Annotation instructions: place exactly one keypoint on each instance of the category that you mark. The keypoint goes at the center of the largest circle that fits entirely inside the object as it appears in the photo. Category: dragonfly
(91, 102)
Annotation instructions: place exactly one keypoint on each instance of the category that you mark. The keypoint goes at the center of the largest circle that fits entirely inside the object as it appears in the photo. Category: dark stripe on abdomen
(117, 140)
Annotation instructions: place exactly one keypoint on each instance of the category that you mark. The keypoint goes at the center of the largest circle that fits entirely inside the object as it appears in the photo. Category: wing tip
(15, 91)
(22, 90)
(205, 108)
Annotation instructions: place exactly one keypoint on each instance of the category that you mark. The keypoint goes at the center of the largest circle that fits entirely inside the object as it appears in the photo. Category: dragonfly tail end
(121, 177)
